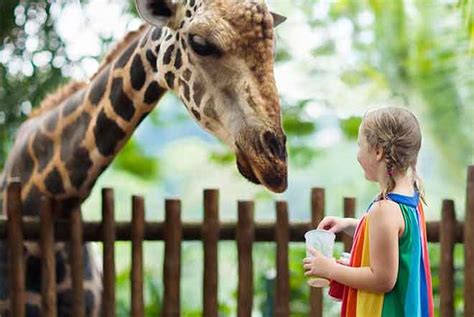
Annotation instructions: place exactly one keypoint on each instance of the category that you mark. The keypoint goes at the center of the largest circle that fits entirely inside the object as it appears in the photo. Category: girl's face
(370, 159)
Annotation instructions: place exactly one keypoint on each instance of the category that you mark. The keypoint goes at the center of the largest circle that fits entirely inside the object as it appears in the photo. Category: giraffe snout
(275, 145)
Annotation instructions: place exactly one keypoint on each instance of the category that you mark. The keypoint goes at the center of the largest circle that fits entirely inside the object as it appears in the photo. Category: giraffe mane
(63, 92)
(119, 47)
(54, 99)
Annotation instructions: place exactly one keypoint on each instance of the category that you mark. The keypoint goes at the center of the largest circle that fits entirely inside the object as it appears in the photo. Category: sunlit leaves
(350, 127)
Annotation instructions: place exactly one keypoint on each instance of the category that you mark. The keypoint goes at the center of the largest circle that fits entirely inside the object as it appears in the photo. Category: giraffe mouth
(268, 177)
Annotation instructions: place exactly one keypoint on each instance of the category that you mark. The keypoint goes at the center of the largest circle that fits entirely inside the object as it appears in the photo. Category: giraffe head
(217, 55)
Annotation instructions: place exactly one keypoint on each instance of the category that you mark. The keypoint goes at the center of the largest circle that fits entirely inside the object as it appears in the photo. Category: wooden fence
(172, 231)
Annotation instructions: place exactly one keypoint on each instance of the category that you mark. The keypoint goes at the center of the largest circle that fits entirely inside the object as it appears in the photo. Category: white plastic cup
(323, 241)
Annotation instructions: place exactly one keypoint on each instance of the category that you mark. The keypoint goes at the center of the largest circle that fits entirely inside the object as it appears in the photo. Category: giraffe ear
(277, 19)
(156, 12)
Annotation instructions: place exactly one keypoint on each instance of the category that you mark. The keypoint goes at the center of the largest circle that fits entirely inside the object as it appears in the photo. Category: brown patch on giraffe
(54, 182)
(56, 98)
(121, 103)
(99, 84)
(198, 89)
(78, 167)
(43, 149)
(72, 103)
(107, 134)
(32, 201)
(153, 93)
(137, 73)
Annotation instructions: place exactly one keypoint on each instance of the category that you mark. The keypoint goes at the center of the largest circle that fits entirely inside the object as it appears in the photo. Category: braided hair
(397, 133)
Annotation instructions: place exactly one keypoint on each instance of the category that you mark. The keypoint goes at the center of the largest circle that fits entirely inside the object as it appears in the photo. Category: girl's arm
(352, 224)
(385, 221)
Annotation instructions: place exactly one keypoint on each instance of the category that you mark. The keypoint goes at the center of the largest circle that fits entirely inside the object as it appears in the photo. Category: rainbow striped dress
(412, 294)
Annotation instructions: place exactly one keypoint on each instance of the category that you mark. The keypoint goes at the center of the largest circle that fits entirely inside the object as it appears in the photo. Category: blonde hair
(397, 133)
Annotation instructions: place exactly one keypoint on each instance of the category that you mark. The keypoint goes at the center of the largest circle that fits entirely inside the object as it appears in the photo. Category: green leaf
(350, 127)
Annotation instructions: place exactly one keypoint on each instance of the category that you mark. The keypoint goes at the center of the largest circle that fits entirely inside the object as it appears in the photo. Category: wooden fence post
(317, 214)
(108, 238)
(172, 261)
(76, 262)
(210, 237)
(469, 245)
(48, 261)
(282, 294)
(349, 212)
(245, 236)
(15, 249)
(446, 274)
(138, 229)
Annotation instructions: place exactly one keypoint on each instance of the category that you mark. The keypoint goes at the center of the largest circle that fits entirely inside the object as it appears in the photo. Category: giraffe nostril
(276, 147)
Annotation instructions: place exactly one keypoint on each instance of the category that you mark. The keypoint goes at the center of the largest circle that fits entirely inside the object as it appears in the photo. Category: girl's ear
(379, 155)
(157, 12)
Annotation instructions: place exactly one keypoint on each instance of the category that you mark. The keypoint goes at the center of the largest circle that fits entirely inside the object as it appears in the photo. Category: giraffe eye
(203, 47)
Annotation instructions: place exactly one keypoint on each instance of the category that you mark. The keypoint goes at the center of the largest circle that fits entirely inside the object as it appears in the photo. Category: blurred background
(335, 59)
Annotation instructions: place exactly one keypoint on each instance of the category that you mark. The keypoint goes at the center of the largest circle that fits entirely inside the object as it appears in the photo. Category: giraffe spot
(156, 34)
(188, 13)
(182, 24)
(123, 106)
(32, 310)
(151, 58)
(43, 149)
(73, 102)
(33, 274)
(68, 204)
(107, 134)
(185, 86)
(3, 271)
(168, 37)
(144, 115)
(169, 77)
(177, 37)
(137, 73)
(64, 302)
(198, 93)
(157, 49)
(187, 74)
(183, 43)
(98, 86)
(51, 121)
(73, 135)
(25, 164)
(60, 266)
(178, 62)
(191, 3)
(196, 114)
(210, 110)
(168, 53)
(54, 182)
(78, 167)
(153, 93)
(32, 202)
(123, 59)
(89, 301)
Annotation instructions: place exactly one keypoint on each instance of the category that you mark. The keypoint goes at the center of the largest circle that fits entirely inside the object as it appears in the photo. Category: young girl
(389, 272)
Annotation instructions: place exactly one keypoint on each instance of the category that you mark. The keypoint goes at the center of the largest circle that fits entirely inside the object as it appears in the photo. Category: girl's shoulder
(386, 212)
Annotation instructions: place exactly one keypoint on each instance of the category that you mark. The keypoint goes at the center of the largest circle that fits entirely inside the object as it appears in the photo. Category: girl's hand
(336, 224)
(318, 264)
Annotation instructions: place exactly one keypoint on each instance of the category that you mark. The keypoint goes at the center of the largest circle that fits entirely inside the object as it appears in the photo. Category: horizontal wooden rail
(192, 231)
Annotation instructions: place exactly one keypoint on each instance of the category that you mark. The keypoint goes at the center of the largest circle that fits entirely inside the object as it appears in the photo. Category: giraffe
(216, 55)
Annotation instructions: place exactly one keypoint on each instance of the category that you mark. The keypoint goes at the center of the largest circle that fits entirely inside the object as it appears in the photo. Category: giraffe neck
(64, 150)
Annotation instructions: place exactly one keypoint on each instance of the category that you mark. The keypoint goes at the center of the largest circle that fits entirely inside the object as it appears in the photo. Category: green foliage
(350, 127)
(133, 160)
